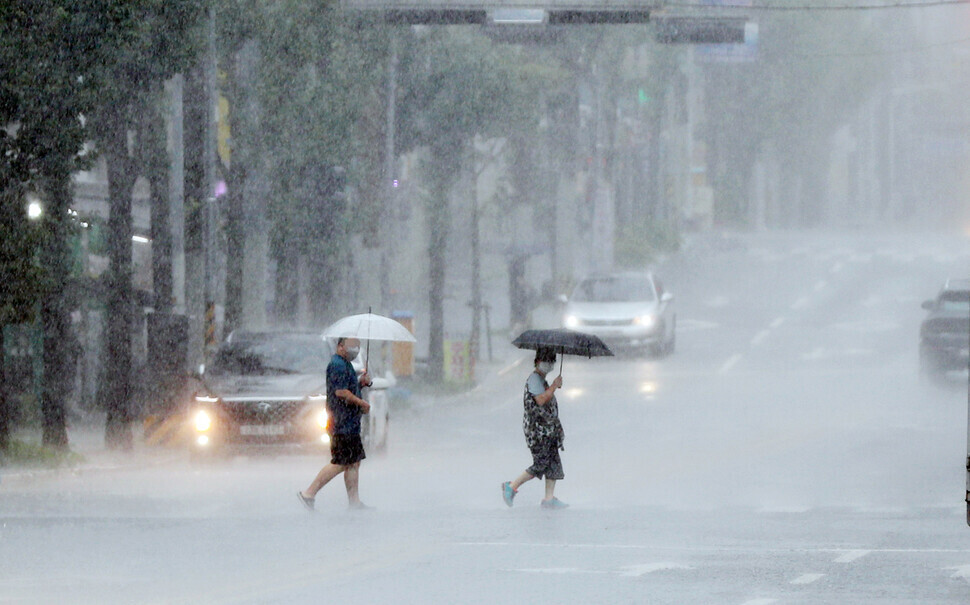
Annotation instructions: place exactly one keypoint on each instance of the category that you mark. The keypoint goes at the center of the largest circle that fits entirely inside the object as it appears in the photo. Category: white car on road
(629, 310)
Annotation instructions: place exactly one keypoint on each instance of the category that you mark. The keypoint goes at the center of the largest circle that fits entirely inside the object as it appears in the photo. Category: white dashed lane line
(851, 555)
(729, 364)
(807, 578)
(760, 337)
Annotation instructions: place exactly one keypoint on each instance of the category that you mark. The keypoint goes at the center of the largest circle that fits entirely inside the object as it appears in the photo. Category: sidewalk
(87, 442)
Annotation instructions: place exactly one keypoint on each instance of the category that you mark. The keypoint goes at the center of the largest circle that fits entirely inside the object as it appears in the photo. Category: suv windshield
(955, 300)
(614, 289)
(272, 354)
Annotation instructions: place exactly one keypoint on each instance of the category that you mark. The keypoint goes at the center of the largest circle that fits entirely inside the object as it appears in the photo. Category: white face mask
(546, 366)
(352, 352)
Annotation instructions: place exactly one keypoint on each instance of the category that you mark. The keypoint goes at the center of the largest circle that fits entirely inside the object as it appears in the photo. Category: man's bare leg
(327, 473)
(351, 478)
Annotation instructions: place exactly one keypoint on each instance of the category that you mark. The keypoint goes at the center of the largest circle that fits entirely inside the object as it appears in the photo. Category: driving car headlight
(323, 419)
(203, 422)
(645, 320)
(571, 321)
(206, 398)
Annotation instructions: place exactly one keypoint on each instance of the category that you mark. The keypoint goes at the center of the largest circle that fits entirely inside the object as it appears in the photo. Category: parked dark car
(269, 389)
(944, 335)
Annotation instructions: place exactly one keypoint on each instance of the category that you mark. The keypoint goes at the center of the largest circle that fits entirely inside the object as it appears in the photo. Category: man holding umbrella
(543, 431)
(345, 407)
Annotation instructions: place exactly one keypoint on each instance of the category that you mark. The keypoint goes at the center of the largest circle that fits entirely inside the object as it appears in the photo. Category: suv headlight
(646, 321)
(323, 419)
(203, 421)
(571, 321)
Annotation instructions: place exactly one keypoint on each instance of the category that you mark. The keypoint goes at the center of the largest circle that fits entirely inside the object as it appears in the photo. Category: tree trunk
(6, 409)
(444, 168)
(235, 242)
(287, 281)
(55, 308)
(437, 241)
(119, 308)
(476, 269)
(155, 165)
(195, 129)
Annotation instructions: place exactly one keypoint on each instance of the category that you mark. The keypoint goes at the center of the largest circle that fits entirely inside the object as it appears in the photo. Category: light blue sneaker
(508, 494)
(554, 504)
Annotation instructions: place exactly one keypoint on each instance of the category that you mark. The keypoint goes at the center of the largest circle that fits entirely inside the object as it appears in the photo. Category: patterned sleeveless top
(540, 423)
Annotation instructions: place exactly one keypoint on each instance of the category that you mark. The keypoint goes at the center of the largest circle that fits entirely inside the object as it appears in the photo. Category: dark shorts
(546, 462)
(346, 449)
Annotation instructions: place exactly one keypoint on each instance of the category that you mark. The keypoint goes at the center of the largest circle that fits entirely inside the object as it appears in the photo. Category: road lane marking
(729, 364)
(960, 571)
(863, 327)
(852, 555)
(801, 303)
(689, 325)
(558, 570)
(630, 571)
(635, 571)
(511, 366)
(817, 353)
(760, 337)
(807, 578)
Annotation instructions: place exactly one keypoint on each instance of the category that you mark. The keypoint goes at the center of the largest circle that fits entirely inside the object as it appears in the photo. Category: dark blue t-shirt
(344, 416)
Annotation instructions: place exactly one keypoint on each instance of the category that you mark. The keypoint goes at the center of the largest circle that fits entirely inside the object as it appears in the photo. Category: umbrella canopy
(563, 341)
(368, 326)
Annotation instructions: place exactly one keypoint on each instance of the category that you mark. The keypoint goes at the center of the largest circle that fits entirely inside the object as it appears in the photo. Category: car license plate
(262, 429)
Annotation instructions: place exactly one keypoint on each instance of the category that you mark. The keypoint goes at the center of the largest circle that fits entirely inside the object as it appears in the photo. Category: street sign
(701, 30)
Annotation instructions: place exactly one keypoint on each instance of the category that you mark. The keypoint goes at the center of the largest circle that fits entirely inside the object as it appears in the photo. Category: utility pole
(211, 97)
(390, 206)
(199, 133)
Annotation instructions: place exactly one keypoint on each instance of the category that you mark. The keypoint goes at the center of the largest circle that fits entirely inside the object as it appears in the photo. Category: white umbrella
(368, 326)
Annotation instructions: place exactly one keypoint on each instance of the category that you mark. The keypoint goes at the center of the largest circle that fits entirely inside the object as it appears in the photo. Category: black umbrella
(564, 342)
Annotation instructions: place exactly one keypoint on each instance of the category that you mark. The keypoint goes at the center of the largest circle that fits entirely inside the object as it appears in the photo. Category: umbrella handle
(367, 354)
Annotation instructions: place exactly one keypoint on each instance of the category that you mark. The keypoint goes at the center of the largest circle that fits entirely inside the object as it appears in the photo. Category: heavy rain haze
(193, 192)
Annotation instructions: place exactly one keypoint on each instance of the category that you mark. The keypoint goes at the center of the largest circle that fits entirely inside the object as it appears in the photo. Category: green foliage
(22, 280)
(33, 455)
(640, 243)
(460, 84)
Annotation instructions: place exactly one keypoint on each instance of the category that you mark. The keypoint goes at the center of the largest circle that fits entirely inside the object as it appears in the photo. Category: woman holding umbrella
(543, 431)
